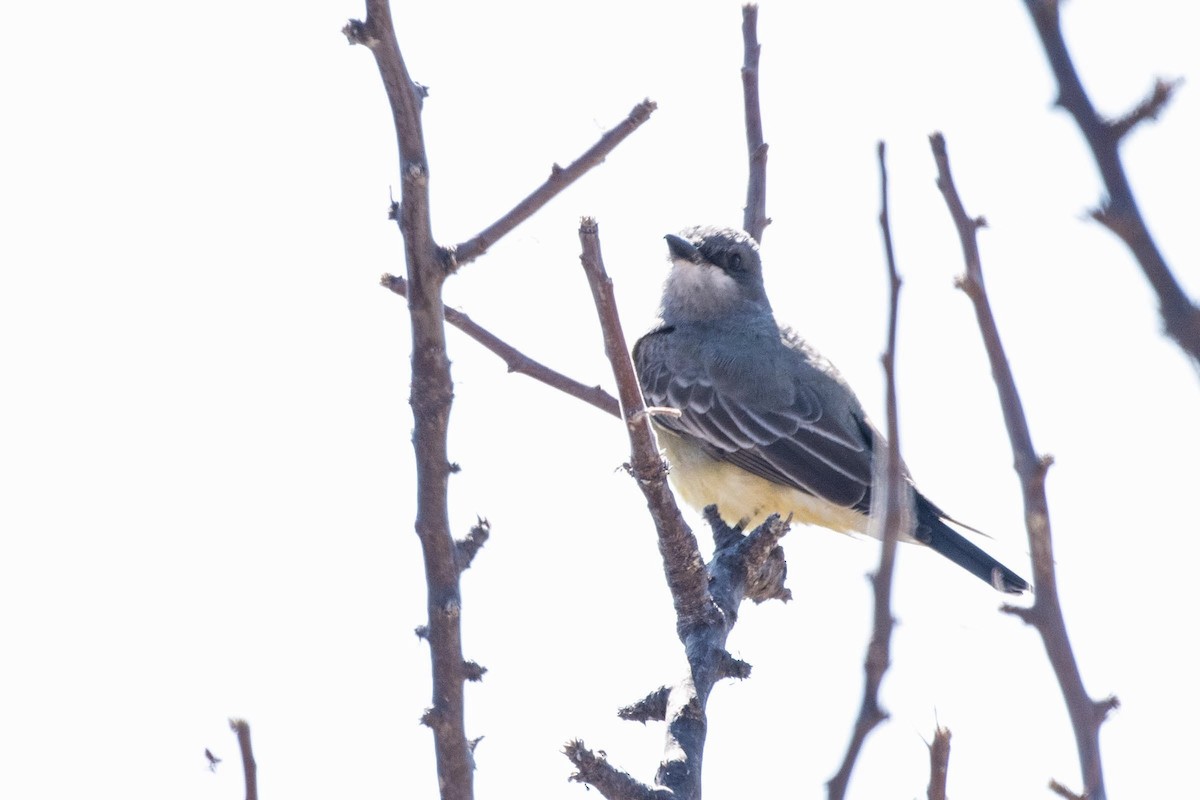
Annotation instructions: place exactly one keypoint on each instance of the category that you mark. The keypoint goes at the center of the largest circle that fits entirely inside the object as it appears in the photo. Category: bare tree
(707, 596)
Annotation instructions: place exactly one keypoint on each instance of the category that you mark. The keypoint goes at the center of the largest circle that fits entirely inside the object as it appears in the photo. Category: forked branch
(1046, 613)
(1119, 212)
(892, 516)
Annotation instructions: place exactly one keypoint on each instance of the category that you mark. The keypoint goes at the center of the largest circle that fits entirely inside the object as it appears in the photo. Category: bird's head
(715, 273)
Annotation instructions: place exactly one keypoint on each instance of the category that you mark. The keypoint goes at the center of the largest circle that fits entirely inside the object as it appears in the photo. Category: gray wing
(787, 417)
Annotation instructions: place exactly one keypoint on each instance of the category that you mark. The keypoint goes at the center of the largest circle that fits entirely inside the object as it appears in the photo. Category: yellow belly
(745, 498)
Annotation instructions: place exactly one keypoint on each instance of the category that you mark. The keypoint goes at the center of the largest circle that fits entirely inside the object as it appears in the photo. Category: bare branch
(431, 397)
(1160, 94)
(514, 359)
(651, 707)
(467, 548)
(594, 770)
(249, 766)
(1119, 212)
(681, 553)
(939, 763)
(1046, 613)
(741, 564)
(891, 516)
(1063, 791)
(754, 217)
(560, 178)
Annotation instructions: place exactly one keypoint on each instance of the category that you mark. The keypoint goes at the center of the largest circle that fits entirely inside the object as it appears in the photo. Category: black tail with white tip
(933, 531)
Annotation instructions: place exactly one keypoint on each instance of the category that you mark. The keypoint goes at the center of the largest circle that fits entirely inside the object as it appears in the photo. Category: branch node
(451, 610)
(448, 255)
(430, 719)
(1063, 791)
(1027, 614)
(422, 632)
(593, 769)
(1044, 463)
(652, 707)
(1149, 109)
(355, 32)
(466, 549)
(730, 667)
(1105, 707)
(473, 671)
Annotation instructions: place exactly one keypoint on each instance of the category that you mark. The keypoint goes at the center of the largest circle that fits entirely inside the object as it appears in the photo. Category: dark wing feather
(787, 417)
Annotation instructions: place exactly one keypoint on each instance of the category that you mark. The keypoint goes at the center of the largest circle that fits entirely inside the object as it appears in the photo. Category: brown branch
(514, 359)
(891, 517)
(560, 178)
(1148, 109)
(754, 216)
(468, 547)
(1119, 212)
(431, 398)
(1063, 791)
(681, 553)
(1046, 613)
(652, 707)
(939, 763)
(742, 565)
(249, 766)
(594, 770)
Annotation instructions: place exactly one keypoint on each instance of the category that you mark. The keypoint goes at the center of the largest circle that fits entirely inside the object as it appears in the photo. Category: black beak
(682, 248)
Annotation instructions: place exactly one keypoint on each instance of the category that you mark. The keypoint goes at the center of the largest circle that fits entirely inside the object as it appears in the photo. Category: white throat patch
(699, 291)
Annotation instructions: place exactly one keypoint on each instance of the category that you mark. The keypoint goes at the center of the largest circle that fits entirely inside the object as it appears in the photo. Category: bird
(757, 421)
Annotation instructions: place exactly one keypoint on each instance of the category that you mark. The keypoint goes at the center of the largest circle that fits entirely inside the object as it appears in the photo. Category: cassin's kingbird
(765, 425)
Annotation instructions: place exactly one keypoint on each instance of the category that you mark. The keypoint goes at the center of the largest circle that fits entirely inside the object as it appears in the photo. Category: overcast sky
(207, 500)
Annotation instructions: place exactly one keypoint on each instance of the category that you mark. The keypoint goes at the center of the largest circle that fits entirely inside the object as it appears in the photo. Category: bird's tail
(933, 531)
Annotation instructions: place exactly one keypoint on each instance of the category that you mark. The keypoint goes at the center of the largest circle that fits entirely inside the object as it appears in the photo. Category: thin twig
(939, 763)
(560, 178)
(249, 766)
(754, 216)
(1064, 792)
(1046, 613)
(514, 359)
(891, 516)
(594, 770)
(431, 397)
(1119, 212)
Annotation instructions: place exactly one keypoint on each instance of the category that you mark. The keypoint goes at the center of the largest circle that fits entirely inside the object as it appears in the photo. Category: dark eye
(734, 262)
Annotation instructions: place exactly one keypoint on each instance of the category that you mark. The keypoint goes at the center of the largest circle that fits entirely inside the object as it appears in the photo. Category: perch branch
(1119, 212)
(1046, 613)
(560, 178)
(754, 216)
(742, 566)
(431, 397)
(892, 517)
(514, 359)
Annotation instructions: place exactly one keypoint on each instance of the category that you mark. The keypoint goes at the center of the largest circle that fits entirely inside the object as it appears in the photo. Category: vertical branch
(1119, 212)
(706, 600)
(249, 766)
(939, 763)
(892, 515)
(754, 216)
(1046, 613)
(681, 553)
(431, 397)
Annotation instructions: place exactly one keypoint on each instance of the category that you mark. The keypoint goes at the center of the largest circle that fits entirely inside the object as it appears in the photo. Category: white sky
(207, 485)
